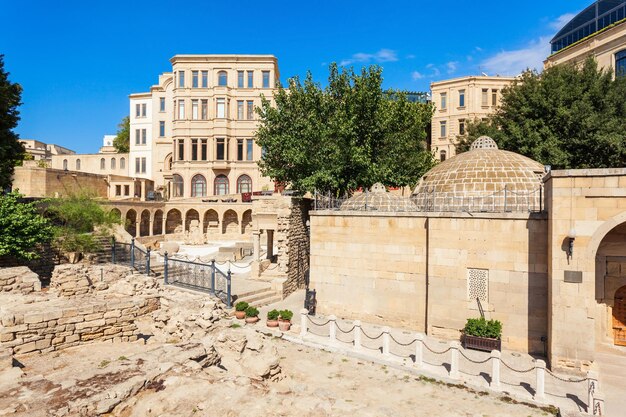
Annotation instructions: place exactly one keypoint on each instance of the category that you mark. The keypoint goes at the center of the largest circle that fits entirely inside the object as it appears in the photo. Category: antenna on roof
(484, 74)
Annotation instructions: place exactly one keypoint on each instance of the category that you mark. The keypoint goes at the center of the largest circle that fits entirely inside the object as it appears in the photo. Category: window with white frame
(444, 101)
(250, 79)
(205, 79)
(240, 75)
(162, 104)
(161, 128)
(443, 129)
(250, 110)
(194, 109)
(181, 109)
(266, 79)
(181, 79)
(220, 111)
(194, 79)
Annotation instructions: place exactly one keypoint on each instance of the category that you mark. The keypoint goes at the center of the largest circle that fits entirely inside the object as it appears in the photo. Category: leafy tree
(22, 228)
(348, 135)
(568, 117)
(122, 140)
(11, 151)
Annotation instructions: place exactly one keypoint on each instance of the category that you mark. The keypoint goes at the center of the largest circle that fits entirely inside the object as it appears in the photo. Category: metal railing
(129, 253)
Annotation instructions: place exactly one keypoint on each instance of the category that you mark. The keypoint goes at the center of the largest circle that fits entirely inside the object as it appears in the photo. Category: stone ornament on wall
(478, 284)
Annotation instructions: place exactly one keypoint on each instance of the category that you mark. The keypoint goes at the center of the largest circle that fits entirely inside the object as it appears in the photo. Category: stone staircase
(259, 297)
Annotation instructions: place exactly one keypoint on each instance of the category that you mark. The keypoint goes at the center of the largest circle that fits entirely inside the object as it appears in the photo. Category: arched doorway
(190, 216)
(619, 317)
(116, 213)
(131, 222)
(173, 221)
(157, 224)
(211, 221)
(246, 221)
(144, 225)
(230, 224)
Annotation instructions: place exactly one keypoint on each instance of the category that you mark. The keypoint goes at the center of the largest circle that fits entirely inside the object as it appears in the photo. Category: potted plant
(481, 334)
(240, 309)
(284, 322)
(272, 318)
(252, 315)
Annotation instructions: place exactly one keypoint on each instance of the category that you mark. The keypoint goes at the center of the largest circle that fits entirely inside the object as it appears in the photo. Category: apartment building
(193, 132)
(458, 101)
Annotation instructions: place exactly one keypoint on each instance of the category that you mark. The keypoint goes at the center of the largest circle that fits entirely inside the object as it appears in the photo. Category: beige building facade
(458, 101)
(43, 151)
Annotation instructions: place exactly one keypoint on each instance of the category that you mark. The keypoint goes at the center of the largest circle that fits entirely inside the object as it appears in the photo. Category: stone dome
(482, 170)
(378, 199)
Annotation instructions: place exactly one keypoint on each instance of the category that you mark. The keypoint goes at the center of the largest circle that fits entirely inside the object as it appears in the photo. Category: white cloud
(416, 75)
(410, 56)
(452, 66)
(515, 61)
(384, 55)
(434, 69)
(560, 21)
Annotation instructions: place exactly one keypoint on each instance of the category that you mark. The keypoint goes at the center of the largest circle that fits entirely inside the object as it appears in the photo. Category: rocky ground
(191, 361)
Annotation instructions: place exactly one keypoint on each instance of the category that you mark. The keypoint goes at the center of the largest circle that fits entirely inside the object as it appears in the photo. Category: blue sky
(78, 60)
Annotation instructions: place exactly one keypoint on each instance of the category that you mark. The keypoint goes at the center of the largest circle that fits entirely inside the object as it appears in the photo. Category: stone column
(270, 243)
(454, 359)
(540, 367)
(164, 222)
(150, 232)
(256, 245)
(143, 190)
(495, 369)
(137, 227)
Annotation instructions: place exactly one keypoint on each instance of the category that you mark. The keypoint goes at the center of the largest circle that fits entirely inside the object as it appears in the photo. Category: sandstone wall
(70, 280)
(19, 279)
(293, 244)
(47, 182)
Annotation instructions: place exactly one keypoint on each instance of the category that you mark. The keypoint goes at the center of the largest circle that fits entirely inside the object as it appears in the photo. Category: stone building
(492, 231)
(43, 151)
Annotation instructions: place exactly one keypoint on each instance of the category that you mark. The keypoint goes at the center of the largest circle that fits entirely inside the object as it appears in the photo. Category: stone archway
(619, 317)
(190, 216)
(144, 224)
(131, 222)
(173, 221)
(157, 223)
(246, 222)
(211, 222)
(230, 224)
(117, 213)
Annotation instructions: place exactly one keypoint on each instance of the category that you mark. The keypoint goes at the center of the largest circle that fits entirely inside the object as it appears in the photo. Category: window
(444, 101)
(181, 149)
(118, 190)
(162, 104)
(198, 186)
(113, 163)
(78, 165)
(250, 110)
(250, 79)
(194, 79)
(240, 149)
(240, 79)
(266, 79)
(143, 110)
(137, 110)
(244, 184)
(221, 185)
(137, 165)
(461, 98)
(220, 112)
(249, 149)
(485, 97)
(194, 109)
(102, 163)
(178, 185)
(161, 128)
(127, 190)
(143, 136)
(222, 79)
(204, 109)
(205, 79)
(123, 163)
(181, 79)
(442, 129)
(620, 64)
(462, 127)
(143, 165)
(137, 137)
(494, 97)
(239, 109)
(478, 284)
(442, 156)
(181, 109)
(203, 149)
(65, 164)
(194, 149)
(220, 149)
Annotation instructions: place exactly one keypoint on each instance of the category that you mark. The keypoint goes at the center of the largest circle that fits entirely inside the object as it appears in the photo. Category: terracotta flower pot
(284, 325)
(240, 315)
(272, 323)
(251, 320)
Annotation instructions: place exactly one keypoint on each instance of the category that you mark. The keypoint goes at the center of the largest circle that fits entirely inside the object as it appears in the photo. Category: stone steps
(259, 298)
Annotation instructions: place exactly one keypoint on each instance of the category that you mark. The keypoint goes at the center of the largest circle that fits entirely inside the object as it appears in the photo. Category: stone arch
(131, 222)
(157, 223)
(78, 165)
(190, 215)
(198, 186)
(246, 221)
(144, 223)
(230, 222)
(167, 164)
(173, 221)
(113, 163)
(65, 164)
(211, 221)
(619, 317)
(601, 232)
(116, 212)
(244, 184)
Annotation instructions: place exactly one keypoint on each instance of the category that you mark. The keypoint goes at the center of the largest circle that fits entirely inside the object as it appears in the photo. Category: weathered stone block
(33, 318)
(25, 348)
(7, 337)
(42, 344)
(58, 340)
(72, 338)
(94, 316)
(92, 323)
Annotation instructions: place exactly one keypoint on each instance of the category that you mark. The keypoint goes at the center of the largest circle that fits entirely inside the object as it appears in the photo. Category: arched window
(78, 165)
(244, 184)
(123, 163)
(222, 79)
(177, 182)
(112, 163)
(221, 185)
(620, 63)
(198, 186)
(65, 164)
(167, 166)
(442, 156)
(102, 163)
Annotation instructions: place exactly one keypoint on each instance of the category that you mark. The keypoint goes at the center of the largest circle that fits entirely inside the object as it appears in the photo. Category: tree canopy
(568, 117)
(347, 135)
(122, 139)
(11, 151)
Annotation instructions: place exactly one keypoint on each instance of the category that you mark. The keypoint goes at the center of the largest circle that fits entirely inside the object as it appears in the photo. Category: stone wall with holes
(424, 271)
(293, 243)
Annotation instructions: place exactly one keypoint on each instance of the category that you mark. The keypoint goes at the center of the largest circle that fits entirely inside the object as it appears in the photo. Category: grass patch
(235, 326)
(344, 360)
(104, 364)
(122, 358)
(549, 409)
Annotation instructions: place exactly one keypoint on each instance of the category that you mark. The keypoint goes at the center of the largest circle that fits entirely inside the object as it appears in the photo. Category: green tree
(348, 135)
(122, 139)
(11, 151)
(22, 228)
(568, 117)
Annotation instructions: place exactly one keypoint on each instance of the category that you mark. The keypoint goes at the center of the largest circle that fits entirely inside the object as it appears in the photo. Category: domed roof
(378, 199)
(482, 170)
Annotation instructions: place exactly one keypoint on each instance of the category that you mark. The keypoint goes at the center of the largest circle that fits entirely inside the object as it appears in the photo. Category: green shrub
(286, 315)
(273, 315)
(252, 312)
(483, 328)
(241, 306)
